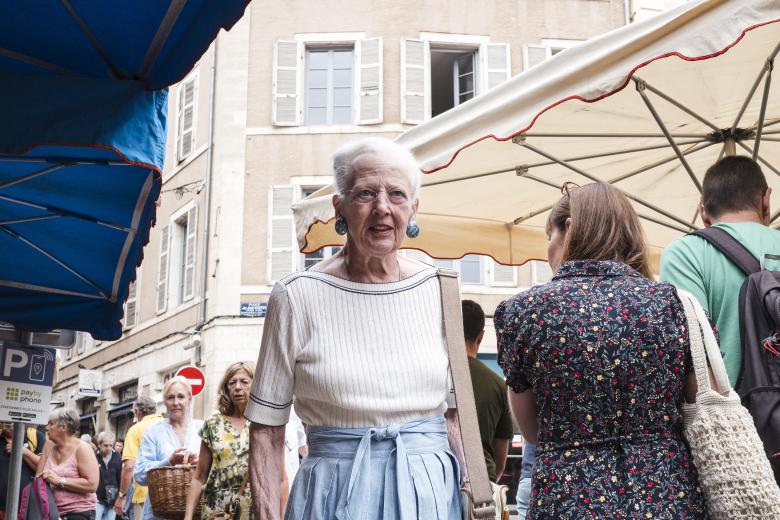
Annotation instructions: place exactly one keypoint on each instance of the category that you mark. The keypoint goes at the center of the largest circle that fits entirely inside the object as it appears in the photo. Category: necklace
(349, 275)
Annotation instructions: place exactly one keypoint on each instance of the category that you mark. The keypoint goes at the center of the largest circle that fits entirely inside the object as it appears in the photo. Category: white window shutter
(190, 249)
(281, 233)
(533, 55)
(496, 65)
(131, 305)
(415, 77)
(185, 137)
(162, 277)
(503, 274)
(286, 84)
(369, 81)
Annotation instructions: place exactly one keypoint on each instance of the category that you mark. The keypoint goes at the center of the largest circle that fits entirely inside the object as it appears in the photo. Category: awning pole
(729, 147)
(764, 99)
(640, 88)
(161, 36)
(116, 72)
(675, 103)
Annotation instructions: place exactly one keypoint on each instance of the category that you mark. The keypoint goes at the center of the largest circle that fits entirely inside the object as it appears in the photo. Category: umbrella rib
(560, 187)
(28, 219)
(69, 161)
(38, 63)
(762, 112)
(605, 135)
(161, 36)
(676, 103)
(520, 140)
(758, 157)
(640, 88)
(67, 213)
(753, 90)
(659, 163)
(32, 175)
(116, 71)
(41, 288)
(56, 260)
(547, 163)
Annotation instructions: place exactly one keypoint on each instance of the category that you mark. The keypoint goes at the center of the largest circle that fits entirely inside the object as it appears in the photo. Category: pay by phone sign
(26, 377)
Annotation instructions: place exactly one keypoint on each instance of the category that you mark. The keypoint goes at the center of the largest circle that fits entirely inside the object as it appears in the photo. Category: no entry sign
(194, 377)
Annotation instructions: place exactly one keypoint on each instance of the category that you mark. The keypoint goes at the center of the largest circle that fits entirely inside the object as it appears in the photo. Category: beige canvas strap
(477, 483)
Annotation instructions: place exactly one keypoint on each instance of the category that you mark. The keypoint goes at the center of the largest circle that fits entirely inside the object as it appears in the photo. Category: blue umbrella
(82, 140)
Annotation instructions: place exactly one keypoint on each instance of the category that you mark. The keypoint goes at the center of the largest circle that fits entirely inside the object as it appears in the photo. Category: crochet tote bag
(734, 473)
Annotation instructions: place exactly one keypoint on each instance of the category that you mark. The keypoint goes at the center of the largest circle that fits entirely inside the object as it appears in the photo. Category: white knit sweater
(351, 354)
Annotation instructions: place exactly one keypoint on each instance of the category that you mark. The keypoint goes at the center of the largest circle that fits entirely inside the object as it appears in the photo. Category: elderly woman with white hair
(69, 466)
(173, 441)
(357, 341)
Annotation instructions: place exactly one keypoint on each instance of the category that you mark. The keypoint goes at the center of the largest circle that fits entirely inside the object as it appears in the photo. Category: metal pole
(15, 471)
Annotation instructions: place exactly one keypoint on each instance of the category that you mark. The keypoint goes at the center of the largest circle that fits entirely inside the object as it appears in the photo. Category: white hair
(105, 436)
(344, 158)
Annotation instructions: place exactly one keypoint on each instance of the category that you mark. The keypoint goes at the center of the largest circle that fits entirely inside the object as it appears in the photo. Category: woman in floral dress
(597, 362)
(224, 450)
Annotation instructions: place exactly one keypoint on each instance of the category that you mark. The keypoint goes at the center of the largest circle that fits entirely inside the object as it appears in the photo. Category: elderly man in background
(110, 463)
(145, 412)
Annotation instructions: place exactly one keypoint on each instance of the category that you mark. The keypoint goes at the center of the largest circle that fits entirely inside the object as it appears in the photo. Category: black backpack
(758, 383)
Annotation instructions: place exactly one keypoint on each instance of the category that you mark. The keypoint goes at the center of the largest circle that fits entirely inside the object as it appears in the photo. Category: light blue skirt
(401, 472)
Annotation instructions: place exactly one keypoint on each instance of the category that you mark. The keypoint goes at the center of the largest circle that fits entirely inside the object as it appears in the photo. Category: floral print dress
(229, 463)
(606, 352)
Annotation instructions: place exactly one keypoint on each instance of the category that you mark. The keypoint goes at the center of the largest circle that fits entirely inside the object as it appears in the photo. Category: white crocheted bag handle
(704, 348)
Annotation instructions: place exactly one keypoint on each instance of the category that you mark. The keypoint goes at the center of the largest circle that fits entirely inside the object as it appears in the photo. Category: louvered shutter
(533, 55)
(542, 272)
(415, 76)
(189, 253)
(281, 237)
(502, 274)
(286, 84)
(131, 305)
(162, 277)
(186, 119)
(370, 91)
(496, 64)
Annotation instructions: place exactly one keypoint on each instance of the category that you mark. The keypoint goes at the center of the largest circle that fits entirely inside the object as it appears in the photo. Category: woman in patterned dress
(598, 362)
(224, 449)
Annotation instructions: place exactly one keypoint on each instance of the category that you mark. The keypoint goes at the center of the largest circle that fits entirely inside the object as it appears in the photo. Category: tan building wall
(248, 155)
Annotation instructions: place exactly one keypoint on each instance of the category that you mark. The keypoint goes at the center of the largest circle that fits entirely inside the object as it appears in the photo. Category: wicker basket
(168, 488)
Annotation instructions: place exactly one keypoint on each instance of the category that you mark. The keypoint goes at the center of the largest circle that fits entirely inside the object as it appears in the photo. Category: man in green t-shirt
(735, 197)
(493, 415)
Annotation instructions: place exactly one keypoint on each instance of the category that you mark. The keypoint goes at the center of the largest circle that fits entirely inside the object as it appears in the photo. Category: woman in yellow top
(224, 450)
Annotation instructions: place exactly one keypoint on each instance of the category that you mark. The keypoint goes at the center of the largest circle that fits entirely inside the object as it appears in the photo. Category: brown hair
(224, 403)
(604, 226)
(734, 183)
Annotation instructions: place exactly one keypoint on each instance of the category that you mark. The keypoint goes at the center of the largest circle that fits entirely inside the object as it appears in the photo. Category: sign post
(194, 377)
(26, 378)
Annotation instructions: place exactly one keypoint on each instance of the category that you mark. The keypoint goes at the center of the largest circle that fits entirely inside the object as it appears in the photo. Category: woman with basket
(171, 442)
(223, 464)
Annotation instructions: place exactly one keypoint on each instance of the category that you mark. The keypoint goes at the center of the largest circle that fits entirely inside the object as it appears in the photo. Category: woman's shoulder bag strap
(477, 481)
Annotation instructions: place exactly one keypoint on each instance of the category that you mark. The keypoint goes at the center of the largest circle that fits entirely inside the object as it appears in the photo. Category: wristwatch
(61, 483)
(121, 494)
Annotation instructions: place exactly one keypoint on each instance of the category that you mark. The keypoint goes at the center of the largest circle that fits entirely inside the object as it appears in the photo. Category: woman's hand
(179, 456)
(52, 478)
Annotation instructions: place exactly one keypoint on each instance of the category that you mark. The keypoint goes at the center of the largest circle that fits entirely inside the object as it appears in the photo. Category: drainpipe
(627, 11)
(204, 260)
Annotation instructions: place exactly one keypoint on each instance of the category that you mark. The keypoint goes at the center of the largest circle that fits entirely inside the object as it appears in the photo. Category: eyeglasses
(368, 196)
(567, 186)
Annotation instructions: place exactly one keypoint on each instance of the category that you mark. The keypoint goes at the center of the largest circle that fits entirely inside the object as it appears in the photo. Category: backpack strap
(731, 249)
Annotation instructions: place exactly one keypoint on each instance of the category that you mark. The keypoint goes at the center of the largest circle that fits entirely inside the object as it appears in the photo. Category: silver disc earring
(412, 229)
(341, 225)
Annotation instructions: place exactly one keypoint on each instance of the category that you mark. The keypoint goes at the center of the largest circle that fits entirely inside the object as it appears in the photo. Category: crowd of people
(597, 363)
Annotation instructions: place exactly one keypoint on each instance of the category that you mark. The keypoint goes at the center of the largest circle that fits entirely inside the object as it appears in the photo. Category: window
(469, 267)
(441, 71)
(502, 274)
(535, 54)
(327, 80)
(186, 105)
(541, 272)
(81, 341)
(453, 78)
(329, 86)
(176, 275)
(69, 353)
(131, 305)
